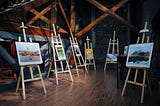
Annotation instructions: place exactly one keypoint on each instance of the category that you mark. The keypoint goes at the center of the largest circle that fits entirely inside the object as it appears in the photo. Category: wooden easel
(89, 56)
(21, 75)
(57, 42)
(113, 50)
(145, 75)
(78, 58)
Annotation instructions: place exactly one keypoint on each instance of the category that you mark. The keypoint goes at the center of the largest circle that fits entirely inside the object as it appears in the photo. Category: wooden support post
(53, 12)
(64, 14)
(73, 16)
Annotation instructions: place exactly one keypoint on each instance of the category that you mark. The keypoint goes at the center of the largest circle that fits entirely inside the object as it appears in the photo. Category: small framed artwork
(139, 55)
(89, 54)
(111, 57)
(125, 50)
(77, 50)
(60, 52)
(28, 53)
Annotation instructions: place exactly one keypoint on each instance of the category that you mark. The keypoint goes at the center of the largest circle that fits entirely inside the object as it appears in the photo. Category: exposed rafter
(40, 15)
(64, 15)
(107, 12)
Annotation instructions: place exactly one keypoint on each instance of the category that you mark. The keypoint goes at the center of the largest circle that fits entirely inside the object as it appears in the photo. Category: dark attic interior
(79, 52)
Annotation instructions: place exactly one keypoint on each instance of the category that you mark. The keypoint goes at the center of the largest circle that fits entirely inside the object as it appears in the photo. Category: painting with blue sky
(139, 55)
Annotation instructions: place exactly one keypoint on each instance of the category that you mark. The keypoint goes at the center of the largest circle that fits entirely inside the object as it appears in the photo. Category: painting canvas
(89, 54)
(125, 50)
(77, 50)
(60, 52)
(111, 57)
(28, 53)
(139, 55)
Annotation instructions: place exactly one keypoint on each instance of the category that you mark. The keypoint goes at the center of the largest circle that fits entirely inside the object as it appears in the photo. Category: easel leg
(18, 83)
(135, 77)
(44, 88)
(31, 71)
(105, 65)
(149, 85)
(49, 70)
(77, 70)
(94, 65)
(126, 81)
(85, 68)
(56, 76)
(69, 71)
(48, 73)
(23, 84)
(143, 85)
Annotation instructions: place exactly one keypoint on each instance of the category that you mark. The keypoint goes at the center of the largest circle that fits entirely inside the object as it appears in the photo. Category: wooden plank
(73, 17)
(99, 19)
(64, 14)
(39, 15)
(93, 89)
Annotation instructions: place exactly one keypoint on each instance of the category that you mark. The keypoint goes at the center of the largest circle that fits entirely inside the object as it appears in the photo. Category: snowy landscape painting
(139, 55)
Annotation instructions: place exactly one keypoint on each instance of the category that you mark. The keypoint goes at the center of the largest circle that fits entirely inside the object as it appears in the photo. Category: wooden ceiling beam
(39, 15)
(91, 25)
(73, 16)
(112, 14)
(53, 13)
(122, 21)
(64, 15)
(118, 5)
(101, 18)
(34, 4)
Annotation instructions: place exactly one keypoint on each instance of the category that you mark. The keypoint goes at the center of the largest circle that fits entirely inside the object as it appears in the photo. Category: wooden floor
(92, 89)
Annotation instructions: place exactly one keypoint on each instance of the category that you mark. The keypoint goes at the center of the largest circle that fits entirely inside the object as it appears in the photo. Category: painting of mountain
(139, 55)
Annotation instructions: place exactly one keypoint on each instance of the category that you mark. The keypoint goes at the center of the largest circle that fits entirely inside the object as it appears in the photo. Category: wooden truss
(71, 24)
(107, 12)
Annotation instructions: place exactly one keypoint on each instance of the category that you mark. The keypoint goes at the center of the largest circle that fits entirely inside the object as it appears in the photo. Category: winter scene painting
(139, 55)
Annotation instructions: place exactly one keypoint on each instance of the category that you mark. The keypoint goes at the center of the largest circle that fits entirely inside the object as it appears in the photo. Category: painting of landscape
(139, 55)
(28, 53)
(60, 52)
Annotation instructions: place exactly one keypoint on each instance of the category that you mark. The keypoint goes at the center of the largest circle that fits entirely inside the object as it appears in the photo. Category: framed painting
(28, 53)
(89, 54)
(125, 50)
(139, 55)
(77, 50)
(60, 52)
(111, 57)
